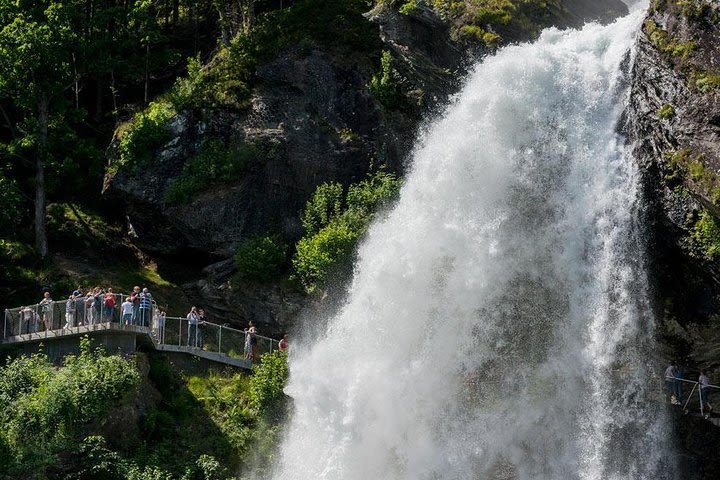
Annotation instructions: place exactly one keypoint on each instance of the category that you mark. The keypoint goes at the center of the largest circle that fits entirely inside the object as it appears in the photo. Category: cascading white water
(497, 325)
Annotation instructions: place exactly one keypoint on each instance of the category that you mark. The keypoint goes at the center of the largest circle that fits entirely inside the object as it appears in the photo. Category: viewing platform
(50, 328)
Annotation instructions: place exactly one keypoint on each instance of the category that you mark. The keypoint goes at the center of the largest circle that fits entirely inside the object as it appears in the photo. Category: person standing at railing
(284, 344)
(145, 307)
(670, 372)
(250, 340)
(70, 312)
(201, 328)
(704, 382)
(193, 320)
(127, 311)
(109, 305)
(28, 319)
(89, 309)
(161, 325)
(135, 299)
(45, 307)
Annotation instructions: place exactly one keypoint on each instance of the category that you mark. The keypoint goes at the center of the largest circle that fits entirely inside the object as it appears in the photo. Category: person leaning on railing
(145, 307)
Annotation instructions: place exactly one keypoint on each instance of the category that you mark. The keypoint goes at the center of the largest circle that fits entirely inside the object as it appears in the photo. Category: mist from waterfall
(498, 323)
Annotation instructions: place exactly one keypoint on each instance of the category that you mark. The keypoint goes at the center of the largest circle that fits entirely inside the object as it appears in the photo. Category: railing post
(179, 332)
(702, 407)
(5, 324)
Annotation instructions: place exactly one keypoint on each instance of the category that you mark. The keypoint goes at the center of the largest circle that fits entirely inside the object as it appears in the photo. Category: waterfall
(498, 324)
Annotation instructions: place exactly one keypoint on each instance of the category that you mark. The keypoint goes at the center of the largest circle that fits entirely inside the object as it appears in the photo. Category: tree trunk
(41, 242)
(147, 71)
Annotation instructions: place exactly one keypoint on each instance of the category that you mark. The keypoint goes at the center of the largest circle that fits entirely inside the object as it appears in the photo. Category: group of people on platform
(674, 380)
(88, 307)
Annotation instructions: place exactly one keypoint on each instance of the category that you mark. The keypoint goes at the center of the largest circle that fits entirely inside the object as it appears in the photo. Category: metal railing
(78, 315)
(212, 337)
(54, 317)
(702, 396)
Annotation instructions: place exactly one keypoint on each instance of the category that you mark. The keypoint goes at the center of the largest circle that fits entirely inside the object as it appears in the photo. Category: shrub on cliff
(334, 224)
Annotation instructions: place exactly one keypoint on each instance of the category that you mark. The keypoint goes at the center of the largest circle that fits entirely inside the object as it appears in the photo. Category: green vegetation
(387, 85)
(139, 140)
(333, 224)
(216, 164)
(45, 409)
(197, 427)
(707, 234)
(706, 81)
(683, 164)
(666, 112)
(663, 42)
(261, 259)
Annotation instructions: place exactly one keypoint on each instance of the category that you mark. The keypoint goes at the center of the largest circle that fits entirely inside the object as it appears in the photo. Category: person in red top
(109, 306)
(283, 345)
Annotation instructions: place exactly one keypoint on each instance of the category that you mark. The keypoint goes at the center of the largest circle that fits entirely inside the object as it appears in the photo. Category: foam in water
(497, 325)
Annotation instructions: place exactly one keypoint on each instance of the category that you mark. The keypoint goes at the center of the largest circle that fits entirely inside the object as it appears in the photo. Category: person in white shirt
(127, 311)
(193, 318)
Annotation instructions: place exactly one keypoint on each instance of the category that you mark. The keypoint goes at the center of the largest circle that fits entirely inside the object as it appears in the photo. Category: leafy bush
(334, 224)
(139, 140)
(261, 259)
(325, 204)
(707, 234)
(45, 408)
(387, 85)
(268, 380)
(707, 81)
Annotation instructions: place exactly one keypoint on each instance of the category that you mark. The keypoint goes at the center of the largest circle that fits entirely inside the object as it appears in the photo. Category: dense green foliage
(204, 427)
(261, 259)
(44, 408)
(334, 224)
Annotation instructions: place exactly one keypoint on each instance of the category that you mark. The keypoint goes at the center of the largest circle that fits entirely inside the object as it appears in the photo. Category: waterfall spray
(497, 325)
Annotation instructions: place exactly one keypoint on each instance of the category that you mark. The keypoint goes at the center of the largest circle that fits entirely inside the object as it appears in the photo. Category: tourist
(127, 311)
(145, 307)
(135, 299)
(193, 320)
(670, 382)
(90, 309)
(201, 328)
(28, 319)
(160, 328)
(249, 341)
(109, 305)
(283, 345)
(704, 382)
(46, 305)
(79, 306)
(98, 299)
(70, 312)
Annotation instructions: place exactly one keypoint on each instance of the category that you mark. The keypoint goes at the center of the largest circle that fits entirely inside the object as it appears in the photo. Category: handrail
(226, 328)
(695, 385)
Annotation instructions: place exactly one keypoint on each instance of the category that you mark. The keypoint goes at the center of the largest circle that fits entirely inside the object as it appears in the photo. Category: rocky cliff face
(674, 121)
(313, 119)
(674, 128)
